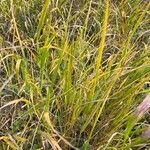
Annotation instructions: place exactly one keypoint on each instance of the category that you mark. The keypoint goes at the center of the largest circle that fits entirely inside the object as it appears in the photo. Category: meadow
(74, 74)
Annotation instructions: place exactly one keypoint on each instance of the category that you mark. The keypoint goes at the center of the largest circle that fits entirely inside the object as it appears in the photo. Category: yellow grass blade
(42, 19)
(16, 102)
(103, 37)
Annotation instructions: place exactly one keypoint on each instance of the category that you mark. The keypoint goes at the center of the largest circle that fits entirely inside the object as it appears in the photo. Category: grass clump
(72, 74)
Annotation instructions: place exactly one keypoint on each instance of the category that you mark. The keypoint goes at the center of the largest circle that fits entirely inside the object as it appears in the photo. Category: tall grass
(73, 74)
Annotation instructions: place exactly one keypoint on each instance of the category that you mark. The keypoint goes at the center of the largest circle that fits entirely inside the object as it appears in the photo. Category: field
(74, 74)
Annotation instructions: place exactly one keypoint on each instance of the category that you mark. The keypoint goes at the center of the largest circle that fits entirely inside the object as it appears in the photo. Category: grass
(73, 74)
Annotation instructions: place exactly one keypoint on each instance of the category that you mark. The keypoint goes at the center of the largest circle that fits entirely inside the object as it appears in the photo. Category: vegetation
(73, 74)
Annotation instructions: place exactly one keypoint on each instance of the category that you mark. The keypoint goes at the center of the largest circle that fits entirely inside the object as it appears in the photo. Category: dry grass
(72, 74)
